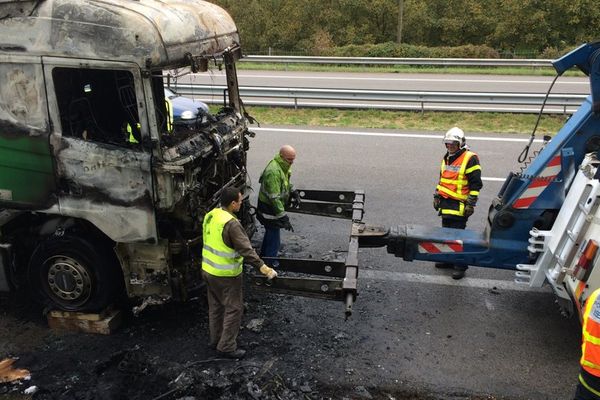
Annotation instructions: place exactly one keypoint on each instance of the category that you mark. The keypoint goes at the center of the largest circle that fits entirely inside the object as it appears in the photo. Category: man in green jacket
(274, 195)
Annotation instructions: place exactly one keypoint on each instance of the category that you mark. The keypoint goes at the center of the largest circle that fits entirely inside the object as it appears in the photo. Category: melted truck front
(100, 188)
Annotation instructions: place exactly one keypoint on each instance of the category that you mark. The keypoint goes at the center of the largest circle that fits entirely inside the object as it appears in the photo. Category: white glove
(267, 271)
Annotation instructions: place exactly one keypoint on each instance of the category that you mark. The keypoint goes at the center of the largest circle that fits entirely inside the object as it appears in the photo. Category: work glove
(295, 200)
(436, 201)
(472, 200)
(285, 223)
(267, 271)
(469, 210)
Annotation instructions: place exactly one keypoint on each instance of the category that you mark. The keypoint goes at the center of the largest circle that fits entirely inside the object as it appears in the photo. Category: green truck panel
(26, 172)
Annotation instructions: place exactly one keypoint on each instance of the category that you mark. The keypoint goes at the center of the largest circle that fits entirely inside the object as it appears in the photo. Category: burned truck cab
(102, 192)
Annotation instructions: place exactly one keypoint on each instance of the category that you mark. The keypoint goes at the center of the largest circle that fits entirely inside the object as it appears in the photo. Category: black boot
(236, 354)
(459, 273)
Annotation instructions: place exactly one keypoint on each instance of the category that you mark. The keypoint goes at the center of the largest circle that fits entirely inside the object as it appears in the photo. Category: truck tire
(71, 274)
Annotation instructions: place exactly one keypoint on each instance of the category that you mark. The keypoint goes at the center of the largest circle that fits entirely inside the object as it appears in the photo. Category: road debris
(255, 325)
(10, 374)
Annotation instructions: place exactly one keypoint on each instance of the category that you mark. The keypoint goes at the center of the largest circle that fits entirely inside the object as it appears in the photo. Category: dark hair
(228, 195)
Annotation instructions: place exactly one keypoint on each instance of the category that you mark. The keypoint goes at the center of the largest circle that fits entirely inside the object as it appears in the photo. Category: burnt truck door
(26, 170)
(99, 141)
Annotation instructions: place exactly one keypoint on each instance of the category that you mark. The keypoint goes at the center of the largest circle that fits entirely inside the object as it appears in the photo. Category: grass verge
(406, 120)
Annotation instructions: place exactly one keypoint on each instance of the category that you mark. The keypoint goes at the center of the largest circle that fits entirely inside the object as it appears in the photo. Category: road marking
(445, 80)
(442, 79)
(382, 134)
(485, 178)
(490, 284)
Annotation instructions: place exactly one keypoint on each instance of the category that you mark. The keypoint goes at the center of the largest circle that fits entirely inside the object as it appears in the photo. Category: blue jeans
(271, 242)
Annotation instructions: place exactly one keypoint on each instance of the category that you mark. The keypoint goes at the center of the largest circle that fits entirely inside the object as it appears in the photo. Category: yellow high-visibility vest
(217, 258)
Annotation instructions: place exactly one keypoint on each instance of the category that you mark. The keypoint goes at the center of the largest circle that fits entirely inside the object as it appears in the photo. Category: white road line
(357, 78)
(494, 284)
(485, 178)
(449, 79)
(382, 134)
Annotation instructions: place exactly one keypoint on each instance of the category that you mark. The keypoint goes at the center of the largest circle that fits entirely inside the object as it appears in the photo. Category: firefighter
(275, 194)
(225, 247)
(589, 375)
(458, 188)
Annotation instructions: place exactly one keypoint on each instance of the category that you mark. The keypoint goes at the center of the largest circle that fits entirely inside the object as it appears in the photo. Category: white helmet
(455, 135)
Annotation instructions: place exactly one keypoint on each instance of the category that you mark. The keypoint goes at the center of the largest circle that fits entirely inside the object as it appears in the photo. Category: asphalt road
(399, 81)
(413, 326)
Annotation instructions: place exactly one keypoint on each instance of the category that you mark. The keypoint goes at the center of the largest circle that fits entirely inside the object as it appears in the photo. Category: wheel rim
(67, 281)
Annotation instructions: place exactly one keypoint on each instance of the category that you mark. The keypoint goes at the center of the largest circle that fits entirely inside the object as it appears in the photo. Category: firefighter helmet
(455, 135)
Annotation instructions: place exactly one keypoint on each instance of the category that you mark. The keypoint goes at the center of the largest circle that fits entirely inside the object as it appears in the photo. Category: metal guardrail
(441, 62)
(389, 99)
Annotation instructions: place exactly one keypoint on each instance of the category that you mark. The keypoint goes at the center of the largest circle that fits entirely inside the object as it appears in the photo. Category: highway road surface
(413, 326)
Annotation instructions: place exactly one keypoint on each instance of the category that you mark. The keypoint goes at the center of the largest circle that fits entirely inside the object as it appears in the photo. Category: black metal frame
(332, 280)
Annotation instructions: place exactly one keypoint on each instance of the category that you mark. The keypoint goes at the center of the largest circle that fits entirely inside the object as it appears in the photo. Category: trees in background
(316, 27)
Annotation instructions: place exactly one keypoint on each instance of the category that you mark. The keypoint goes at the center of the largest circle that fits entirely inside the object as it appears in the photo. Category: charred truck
(101, 192)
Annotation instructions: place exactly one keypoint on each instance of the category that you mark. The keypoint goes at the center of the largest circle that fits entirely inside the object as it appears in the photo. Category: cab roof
(151, 33)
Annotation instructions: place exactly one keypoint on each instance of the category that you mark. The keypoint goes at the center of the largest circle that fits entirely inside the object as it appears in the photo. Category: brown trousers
(225, 309)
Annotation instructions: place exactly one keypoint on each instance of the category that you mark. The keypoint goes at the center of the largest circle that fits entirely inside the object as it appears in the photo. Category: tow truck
(544, 223)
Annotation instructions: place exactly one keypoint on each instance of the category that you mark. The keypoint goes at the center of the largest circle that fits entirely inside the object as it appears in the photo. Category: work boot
(443, 265)
(236, 354)
(458, 273)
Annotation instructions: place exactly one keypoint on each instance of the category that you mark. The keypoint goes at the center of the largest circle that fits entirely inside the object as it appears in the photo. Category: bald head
(288, 153)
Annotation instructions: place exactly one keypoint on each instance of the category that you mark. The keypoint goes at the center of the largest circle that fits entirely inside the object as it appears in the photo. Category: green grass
(404, 120)
(405, 69)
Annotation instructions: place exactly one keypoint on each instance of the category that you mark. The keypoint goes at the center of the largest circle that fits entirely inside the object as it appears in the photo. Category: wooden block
(103, 323)
(78, 315)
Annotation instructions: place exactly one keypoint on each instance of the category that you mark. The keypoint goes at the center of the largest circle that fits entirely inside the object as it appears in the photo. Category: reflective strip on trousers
(460, 212)
(588, 387)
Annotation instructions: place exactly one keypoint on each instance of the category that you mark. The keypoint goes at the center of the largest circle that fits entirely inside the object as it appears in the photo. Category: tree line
(321, 26)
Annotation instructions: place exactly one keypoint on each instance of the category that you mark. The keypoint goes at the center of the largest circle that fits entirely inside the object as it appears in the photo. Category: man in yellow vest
(226, 247)
(589, 376)
(458, 189)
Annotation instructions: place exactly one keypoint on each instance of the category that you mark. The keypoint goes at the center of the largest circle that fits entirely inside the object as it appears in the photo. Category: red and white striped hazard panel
(538, 184)
(449, 246)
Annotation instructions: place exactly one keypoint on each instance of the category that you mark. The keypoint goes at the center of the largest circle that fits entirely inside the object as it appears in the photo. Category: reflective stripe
(473, 168)
(451, 194)
(460, 212)
(269, 216)
(169, 107)
(221, 253)
(474, 193)
(271, 196)
(223, 267)
(588, 387)
(591, 339)
(463, 182)
(590, 364)
(131, 138)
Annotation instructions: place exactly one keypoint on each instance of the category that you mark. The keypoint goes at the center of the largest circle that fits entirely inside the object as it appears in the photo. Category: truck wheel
(71, 274)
